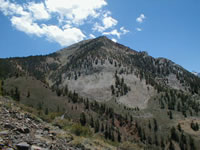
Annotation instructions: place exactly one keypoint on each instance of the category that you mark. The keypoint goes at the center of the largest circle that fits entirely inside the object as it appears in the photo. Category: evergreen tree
(112, 136)
(17, 94)
(66, 90)
(102, 127)
(155, 125)
(149, 125)
(92, 122)
(118, 136)
(46, 111)
(170, 115)
(96, 127)
(192, 146)
(171, 146)
(174, 135)
(59, 92)
(179, 127)
(82, 119)
(156, 140)
(28, 94)
(106, 132)
(162, 144)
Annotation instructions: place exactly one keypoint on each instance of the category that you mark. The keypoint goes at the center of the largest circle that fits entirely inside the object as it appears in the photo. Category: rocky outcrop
(20, 131)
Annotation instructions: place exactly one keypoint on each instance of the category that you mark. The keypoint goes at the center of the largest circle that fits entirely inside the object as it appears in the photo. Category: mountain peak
(103, 38)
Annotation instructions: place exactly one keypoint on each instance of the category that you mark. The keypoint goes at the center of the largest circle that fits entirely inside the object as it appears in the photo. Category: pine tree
(28, 94)
(46, 111)
(96, 127)
(162, 144)
(179, 127)
(92, 122)
(17, 94)
(59, 92)
(171, 146)
(82, 119)
(155, 126)
(192, 146)
(106, 132)
(66, 90)
(149, 125)
(156, 140)
(174, 135)
(170, 115)
(102, 127)
(118, 136)
(112, 136)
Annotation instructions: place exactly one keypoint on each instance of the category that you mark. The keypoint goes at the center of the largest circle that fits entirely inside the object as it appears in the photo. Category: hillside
(123, 95)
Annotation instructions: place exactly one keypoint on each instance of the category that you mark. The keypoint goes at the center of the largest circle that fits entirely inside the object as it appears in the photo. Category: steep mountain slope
(124, 95)
(98, 61)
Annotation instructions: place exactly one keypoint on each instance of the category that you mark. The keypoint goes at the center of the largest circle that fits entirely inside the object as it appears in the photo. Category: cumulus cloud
(113, 32)
(53, 33)
(63, 37)
(68, 16)
(117, 33)
(107, 21)
(9, 8)
(123, 30)
(75, 10)
(141, 18)
(38, 11)
(92, 36)
(114, 40)
(139, 29)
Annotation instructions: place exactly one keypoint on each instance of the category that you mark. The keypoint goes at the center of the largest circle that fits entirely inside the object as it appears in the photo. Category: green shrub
(79, 130)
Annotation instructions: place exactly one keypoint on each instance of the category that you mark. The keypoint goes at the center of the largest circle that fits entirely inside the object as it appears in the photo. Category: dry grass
(186, 126)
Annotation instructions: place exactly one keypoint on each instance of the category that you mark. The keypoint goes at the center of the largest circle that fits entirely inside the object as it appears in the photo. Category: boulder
(4, 132)
(23, 146)
(24, 130)
(9, 126)
(33, 147)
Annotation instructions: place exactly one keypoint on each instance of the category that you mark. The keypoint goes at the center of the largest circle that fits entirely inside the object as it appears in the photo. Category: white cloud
(53, 33)
(123, 30)
(113, 32)
(98, 27)
(75, 10)
(114, 40)
(92, 36)
(141, 18)
(63, 37)
(24, 18)
(38, 10)
(139, 29)
(11, 8)
(69, 15)
(117, 33)
(26, 25)
(107, 22)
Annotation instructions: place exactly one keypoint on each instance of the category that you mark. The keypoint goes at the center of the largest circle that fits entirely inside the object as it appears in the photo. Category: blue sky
(163, 28)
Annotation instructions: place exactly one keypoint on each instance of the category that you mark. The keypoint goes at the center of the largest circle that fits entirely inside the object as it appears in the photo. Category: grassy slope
(87, 136)
(40, 93)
